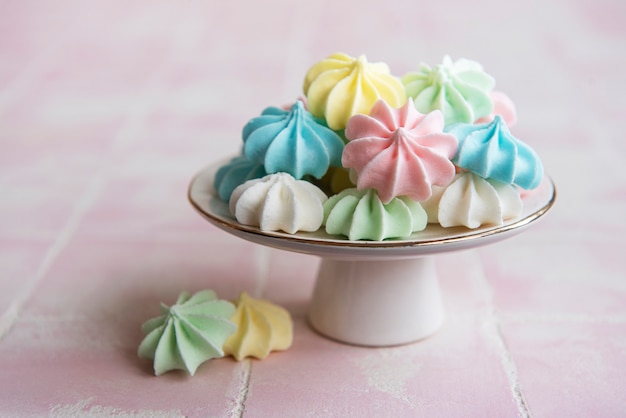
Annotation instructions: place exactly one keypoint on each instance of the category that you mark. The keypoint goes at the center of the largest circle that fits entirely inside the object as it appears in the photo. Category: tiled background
(108, 108)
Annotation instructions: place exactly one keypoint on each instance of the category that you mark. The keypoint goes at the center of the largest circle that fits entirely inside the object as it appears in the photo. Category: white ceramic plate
(434, 239)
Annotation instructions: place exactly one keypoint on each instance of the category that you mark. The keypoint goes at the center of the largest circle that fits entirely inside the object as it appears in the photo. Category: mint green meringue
(188, 333)
(361, 215)
(460, 89)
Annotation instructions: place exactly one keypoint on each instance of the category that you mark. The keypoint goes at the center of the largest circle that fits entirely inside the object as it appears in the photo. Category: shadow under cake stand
(372, 293)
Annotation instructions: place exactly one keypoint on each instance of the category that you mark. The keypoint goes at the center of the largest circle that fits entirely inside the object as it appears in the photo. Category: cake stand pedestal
(373, 293)
(377, 302)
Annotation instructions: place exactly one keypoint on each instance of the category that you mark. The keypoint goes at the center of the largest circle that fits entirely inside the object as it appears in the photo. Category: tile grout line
(262, 257)
(17, 87)
(494, 332)
(245, 371)
(123, 139)
(11, 315)
(125, 136)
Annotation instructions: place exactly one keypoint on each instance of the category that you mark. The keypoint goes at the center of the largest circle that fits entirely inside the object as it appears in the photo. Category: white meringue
(471, 201)
(278, 202)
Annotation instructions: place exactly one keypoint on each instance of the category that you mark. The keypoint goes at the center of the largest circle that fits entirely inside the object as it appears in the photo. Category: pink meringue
(399, 151)
(503, 106)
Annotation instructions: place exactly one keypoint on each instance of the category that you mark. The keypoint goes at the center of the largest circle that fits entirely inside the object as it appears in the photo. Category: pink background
(108, 108)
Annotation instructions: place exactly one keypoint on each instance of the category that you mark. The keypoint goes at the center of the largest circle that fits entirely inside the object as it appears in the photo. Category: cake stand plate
(372, 293)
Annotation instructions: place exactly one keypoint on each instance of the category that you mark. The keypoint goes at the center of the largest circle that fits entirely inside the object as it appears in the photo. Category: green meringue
(188, 333)
(460, 89)
(361, 215)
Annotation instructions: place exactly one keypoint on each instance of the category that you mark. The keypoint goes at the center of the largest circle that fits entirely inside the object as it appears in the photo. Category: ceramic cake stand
(372, 293)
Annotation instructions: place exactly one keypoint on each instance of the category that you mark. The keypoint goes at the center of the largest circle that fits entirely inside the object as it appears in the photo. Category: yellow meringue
(341, 86)
(262, 327)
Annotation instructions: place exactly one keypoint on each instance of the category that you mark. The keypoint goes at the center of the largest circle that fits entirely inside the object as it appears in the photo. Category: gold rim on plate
(203, 198)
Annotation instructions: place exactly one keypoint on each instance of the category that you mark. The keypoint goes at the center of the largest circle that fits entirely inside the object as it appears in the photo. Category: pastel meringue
(471, 201)
(362, 215)
(460, 89)
(278, 202)
(335, 180)
(188, 333)
(340, 86)
(291, 141)
(262, 327)
(491, 151)
(399, 152)
(237, 171)
(503, 106)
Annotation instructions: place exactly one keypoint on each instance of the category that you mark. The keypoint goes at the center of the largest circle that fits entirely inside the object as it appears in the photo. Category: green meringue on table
(188, 333)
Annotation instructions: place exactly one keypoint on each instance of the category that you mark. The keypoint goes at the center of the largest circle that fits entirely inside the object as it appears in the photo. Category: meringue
(278, 202)
(335, 180)
(341, 86)
(503, 106)
(460, 89)
(237, 171)
(262, 327)
(188, 333)
(399, 152)
(471, 201)
(361, 215)
(291, 141)
(491, 151)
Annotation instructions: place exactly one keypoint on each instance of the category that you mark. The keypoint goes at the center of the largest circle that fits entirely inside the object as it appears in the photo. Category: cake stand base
(378, 302)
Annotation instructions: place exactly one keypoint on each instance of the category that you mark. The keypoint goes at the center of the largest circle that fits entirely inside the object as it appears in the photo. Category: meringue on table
(188, 333)
(262, 327)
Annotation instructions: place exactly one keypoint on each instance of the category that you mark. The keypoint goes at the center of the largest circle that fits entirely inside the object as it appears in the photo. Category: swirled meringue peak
(292, 141)
(237, 171)
(491, 151)
(262, 327)
(341, 86)
(471, 201)
(187, 333)
(399, 152)
(460, 89)
(362, 215)
(278, 202)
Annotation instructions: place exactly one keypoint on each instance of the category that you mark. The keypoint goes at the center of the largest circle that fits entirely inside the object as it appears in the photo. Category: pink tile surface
(107, 110)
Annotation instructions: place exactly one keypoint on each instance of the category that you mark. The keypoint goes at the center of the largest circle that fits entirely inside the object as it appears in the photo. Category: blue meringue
(292, 141)
(492, 152)
(234, 173)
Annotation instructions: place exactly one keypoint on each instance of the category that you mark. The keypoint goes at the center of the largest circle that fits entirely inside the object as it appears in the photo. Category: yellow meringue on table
(262, 327)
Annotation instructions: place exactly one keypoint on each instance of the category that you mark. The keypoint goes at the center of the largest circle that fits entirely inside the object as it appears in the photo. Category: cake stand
(372, 293)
